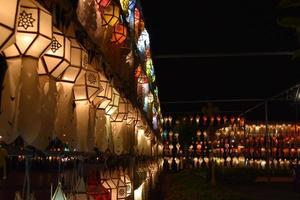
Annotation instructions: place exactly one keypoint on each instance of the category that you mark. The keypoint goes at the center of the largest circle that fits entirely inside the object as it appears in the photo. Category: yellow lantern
(113, 104)
(8, 16)
(79, 61)
(124, 5)
(111, 15)
(58, 57)
(121, 113)
(87, 85)
(34, 31)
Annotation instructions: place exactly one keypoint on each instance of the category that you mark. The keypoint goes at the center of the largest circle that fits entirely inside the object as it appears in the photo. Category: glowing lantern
(59, 194)
(79, 61)
(137, 16)
(105, 96)
(138, 71)
(87, 86)
(126, 179)
(96, 192)
(117, 187)
(119, 34)
(103, 3)
(111, 15)
(131, 114)
(8, 15)
(34, 31)
(121, 113)
(170, 161)
(124, 5)
(58, 57)
(143, 41)
(113, 104)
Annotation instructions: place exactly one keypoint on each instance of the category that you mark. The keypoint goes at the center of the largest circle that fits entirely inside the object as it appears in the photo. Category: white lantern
(113, 104)
(34, 31)
(58, 194)
(79, 61)
(8, 16)
(87, 86)
(121, 113)
(54, 62)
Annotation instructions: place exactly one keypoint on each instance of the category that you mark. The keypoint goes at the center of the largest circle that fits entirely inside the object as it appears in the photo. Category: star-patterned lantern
(113, 104)
(102, 3)
(111, 15)
(126, 179)
(79, 61)
(8, 16)
(119, 34)
(116, 186)
(58, 57)
(121, 113)
(87, 86)
(34, 30)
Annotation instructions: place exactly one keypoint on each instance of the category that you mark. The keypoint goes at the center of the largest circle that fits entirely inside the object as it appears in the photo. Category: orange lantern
(102, 4)
(119, 34)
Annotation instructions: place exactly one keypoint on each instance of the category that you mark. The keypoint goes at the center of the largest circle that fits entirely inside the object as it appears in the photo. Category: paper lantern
(34, 31)
(137, 16)
(58, 57)
(119, 34)
(111, 15)
(59, 194)
(113, 104)
(131, 114)
(105, 96)
(79, 61)
(87, 86)
(117, 187)
(124, 5)
(121, 113)
(103, 3)
(126, 179)
(97, 192)
(8, 16)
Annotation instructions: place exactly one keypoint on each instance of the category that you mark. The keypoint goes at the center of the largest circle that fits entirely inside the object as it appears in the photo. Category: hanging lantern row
(205, 120)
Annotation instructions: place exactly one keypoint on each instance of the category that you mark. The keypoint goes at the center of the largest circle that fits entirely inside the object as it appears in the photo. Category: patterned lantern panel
(131, 114)
(121, 113)
(88, 86)
(111, 15)
(113, 104)
(102, 3)
(119, 34)
(34, 30)
(79, 61)
(58, 57)
(105, 96)
(8, 16)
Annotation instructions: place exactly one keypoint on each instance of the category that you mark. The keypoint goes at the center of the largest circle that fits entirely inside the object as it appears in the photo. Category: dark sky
(219, 27)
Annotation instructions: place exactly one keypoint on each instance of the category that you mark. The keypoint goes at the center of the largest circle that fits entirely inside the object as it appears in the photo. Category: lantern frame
(111, 15)
(102, 4)
(5, 26)
(79, 61)
(113, 104)
(122, 111)
(119, 34)
(88, 84)
(55, 61)
(33, 31)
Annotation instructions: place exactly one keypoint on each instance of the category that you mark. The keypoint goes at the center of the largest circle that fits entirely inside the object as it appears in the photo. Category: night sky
(220, 27)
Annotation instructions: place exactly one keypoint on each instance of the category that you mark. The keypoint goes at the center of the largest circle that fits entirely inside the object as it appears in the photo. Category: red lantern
(96, 191)
(119, 34)
(102, 4)
(212, 119)
(225, 119)
(137, 16)
(219, 119)
(232, 120)
(204, 120)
